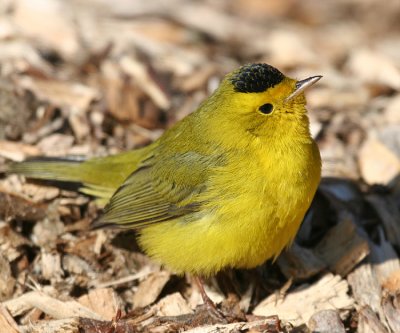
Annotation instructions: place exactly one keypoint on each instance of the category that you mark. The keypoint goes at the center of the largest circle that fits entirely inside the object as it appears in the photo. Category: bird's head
(262, 100)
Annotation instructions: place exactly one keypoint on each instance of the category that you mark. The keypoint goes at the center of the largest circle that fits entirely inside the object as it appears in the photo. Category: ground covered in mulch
(92, 78)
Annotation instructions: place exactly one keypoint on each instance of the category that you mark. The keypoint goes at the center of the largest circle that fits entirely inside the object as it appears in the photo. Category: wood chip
(7, 323)
(265, 325)
(366, 290)
(49, 305)
(391, 112)
(38, 193)
(392, 282)
(172, 305)
(51, 265)
(125, 98)
(133, 277)
(48, 229)
(17, 207)
(76, 265)
(139, 73)
(56, 144)
(369, 322)
(94, 78)
(329, 293)
(150, 288)
(104, 301)
(68, 325)
(373, 67)
(391, 309)
(56, 31)
(342, 248)
(377, 163)
(62, 94)
(198, 79)
(16, 151)
(11, 242)
(326, 321)
(287, 48)
(79, 124)
(300, 263)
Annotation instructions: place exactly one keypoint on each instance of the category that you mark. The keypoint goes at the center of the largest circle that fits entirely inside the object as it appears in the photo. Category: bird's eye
(266, 108)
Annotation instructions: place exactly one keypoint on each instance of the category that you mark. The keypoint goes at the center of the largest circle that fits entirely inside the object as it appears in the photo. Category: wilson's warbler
(227, 186)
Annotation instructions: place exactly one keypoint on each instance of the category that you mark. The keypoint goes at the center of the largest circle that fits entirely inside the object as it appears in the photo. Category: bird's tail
(99, 177)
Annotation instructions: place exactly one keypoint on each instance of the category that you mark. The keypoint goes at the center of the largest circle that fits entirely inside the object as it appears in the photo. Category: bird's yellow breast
(247, 222)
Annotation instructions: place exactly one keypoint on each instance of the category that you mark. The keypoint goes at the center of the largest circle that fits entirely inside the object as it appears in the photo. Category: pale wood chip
(33, 315)
(352, 96)
(391, 309)
(150, 288)
(287, 48)
(49, 305)
(368, 294)
(51, 265)
(391, 112)
(7, 29)
(33, 193)
(38, 193)
(139, 73)
(101, 239)
(67, 325)
(196, 80)
(365, 286)
(79, 124)
(377, 163)
(147, 270)
(17, 151)
(330, 292)
(228, 27)
(11, 242)
(78, 200)
(104, 301)
(373, 67)
(253, 326)
(44, 131)
(47, 230)
(172, 305)
(56, 144)
(57, 30)
(120, 95)
(7, 323)
(76, 265)
(24, 55)
(368, 322)
(60, 93)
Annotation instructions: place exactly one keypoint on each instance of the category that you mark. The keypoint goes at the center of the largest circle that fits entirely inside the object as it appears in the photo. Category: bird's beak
(303, 85)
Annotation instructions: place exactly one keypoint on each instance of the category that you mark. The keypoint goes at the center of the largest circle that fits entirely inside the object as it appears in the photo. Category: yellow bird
(226, 187)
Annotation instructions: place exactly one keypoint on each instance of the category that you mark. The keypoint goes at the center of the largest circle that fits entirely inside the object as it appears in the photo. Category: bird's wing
(161, 189)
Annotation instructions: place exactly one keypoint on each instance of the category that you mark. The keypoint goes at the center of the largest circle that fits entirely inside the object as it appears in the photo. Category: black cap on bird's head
(255, 78)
